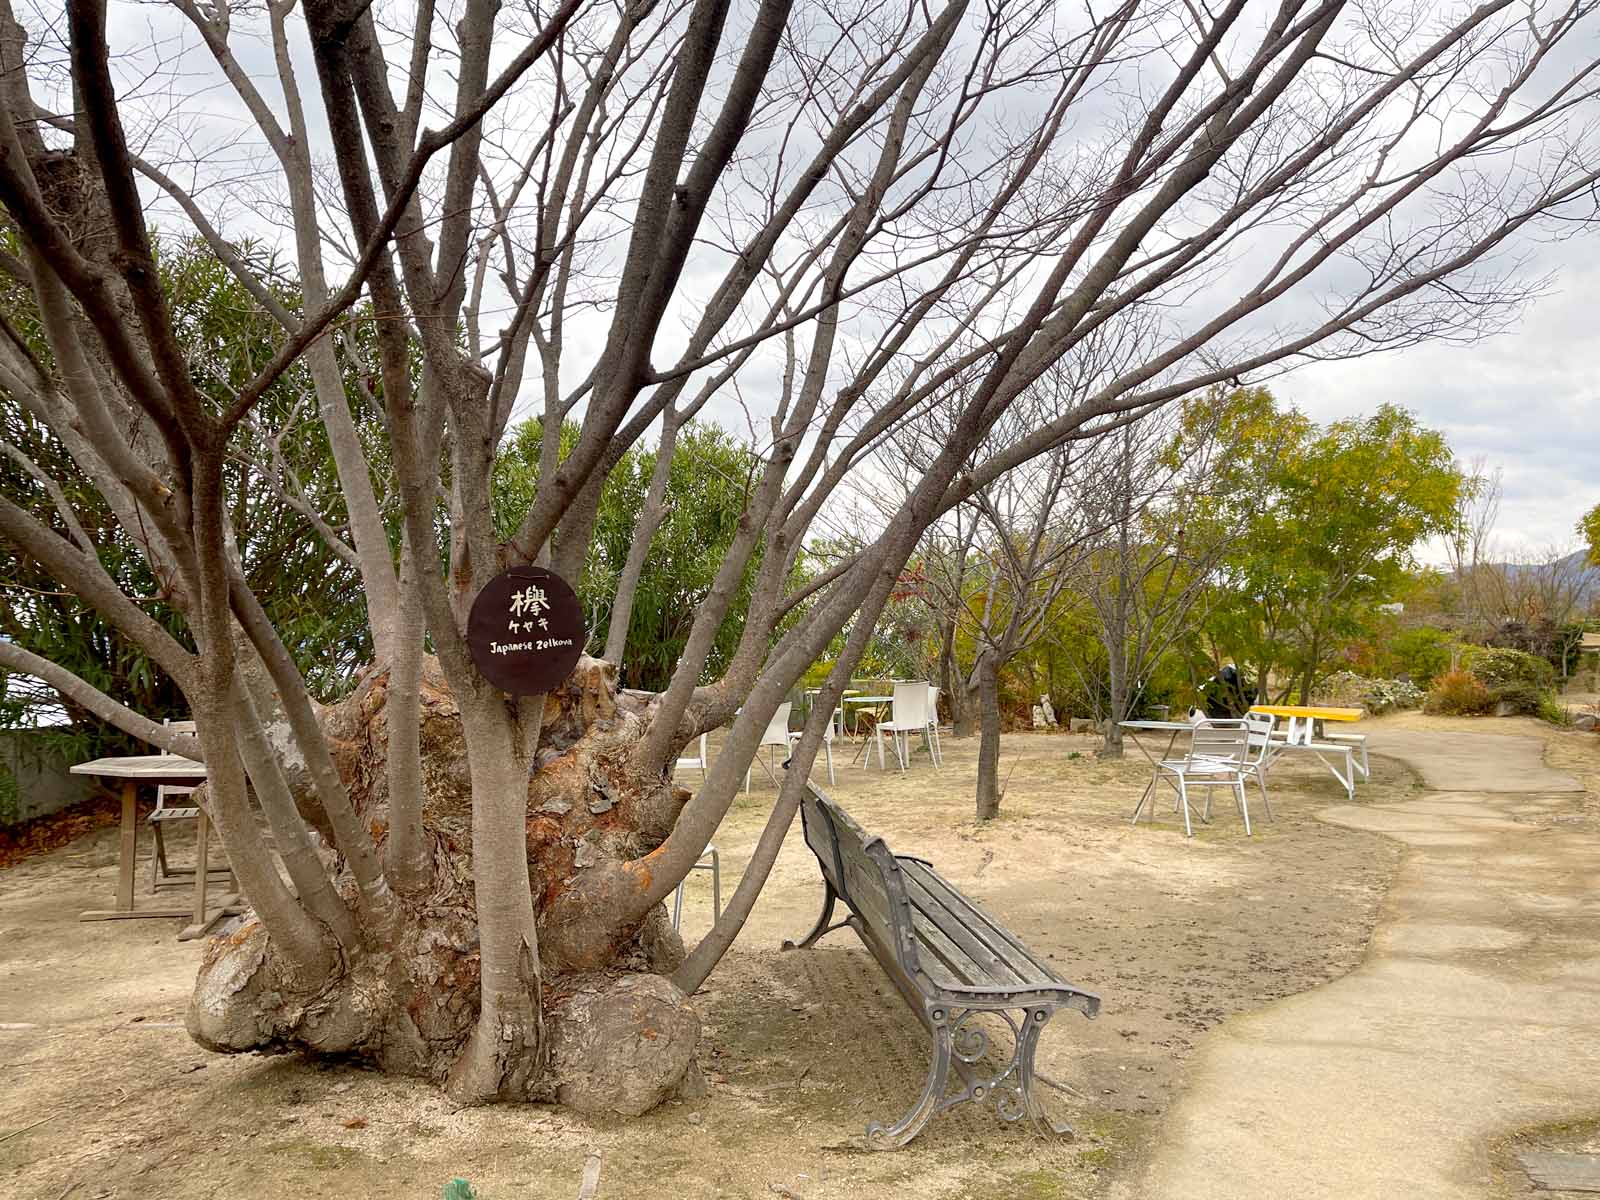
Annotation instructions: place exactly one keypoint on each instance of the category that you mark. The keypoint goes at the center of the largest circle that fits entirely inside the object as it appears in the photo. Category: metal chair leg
(716, 884)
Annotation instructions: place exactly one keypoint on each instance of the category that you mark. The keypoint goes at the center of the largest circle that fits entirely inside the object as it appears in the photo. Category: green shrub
(1497, 667)
(1552, 710)
(1522, 697)
(1457, 693)
(1422, 653)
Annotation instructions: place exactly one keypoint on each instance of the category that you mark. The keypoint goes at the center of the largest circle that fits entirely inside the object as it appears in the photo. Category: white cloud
(1527, 401)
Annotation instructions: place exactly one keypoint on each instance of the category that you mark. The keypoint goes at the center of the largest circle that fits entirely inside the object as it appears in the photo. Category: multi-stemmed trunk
(407, 997)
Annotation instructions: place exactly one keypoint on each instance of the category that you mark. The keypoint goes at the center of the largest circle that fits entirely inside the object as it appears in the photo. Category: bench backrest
(862, 871)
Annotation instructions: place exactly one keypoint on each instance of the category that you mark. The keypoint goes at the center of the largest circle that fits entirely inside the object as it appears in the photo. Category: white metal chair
(709, 861)
(774, 739)
(690, 762)
(827, 747)
(1217, 757)
(1259, 726)
(908, 715)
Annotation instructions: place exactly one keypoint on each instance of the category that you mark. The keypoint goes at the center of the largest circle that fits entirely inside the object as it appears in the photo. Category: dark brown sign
(525, 631)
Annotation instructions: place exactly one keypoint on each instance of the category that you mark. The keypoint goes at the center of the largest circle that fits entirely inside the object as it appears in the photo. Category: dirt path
(1474, 1015)
(801, 1050)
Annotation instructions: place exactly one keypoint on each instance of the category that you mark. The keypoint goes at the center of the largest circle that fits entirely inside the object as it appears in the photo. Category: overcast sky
(1528, 401)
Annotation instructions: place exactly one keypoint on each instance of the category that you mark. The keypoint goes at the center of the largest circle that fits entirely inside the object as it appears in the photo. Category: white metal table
(154, 769)
(1173, 728)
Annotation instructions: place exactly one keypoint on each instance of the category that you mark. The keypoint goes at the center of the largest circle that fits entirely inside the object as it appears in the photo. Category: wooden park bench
(950, 961)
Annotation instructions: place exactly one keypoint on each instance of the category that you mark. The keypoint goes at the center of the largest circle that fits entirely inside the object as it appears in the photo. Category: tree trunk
(989, 741)
(409, 1002)
(1117, 681)
(966, 707)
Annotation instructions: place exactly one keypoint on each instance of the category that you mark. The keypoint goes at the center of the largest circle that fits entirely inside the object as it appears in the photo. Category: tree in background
(1589, 530)
(706, 493)
(1166, 497)
(280, 479)
(1330, 536)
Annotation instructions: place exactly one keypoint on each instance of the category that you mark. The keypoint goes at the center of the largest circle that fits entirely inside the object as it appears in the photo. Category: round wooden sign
(525, 631)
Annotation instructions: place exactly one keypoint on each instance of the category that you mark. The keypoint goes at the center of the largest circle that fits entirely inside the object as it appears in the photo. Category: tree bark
(989, 741)
(1117, 681)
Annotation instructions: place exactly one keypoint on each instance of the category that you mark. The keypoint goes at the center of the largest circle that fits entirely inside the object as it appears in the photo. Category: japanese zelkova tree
(611, 215)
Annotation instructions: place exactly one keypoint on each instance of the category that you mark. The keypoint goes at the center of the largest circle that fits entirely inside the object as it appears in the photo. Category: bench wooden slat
(979, 965)
(1022, 963)
(946, 963)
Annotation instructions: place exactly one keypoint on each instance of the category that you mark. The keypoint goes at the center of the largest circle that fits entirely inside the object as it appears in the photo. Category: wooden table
(155, 769)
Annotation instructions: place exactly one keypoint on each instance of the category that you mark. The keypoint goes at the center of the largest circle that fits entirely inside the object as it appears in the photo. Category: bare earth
(107, 1097)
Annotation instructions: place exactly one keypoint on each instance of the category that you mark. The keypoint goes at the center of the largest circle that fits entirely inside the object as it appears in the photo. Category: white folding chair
(908, 715)
(1217, 758)
(774, 739)
(709, 861)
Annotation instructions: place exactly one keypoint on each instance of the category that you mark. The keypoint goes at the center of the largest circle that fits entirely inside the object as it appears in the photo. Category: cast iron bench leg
(1037, 1018)
(907, 1127)
(822, 926)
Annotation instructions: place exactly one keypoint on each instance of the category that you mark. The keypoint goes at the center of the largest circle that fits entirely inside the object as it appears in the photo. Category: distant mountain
(1574, 567)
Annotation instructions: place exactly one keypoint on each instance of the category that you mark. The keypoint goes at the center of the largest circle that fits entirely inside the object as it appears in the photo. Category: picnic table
(153, 770)
(1302, 735)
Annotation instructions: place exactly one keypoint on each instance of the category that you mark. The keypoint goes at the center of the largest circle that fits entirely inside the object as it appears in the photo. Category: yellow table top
(1314, 711)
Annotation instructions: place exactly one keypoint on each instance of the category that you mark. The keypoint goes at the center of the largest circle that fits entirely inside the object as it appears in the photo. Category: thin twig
(25, 1128)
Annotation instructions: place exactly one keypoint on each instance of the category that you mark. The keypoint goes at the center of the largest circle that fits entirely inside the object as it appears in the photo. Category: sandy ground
(105, 1096)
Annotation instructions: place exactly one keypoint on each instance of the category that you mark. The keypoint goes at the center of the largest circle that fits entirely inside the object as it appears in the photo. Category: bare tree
(994, 571)
(1471, 546)
(611, 210)
(1147, 576)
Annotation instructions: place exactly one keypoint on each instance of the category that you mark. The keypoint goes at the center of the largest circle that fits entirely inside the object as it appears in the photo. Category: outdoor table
(1303, 734)
(156, 769)
(1174, 728)
(865, 751)
(1309, 712)
(863, 700)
